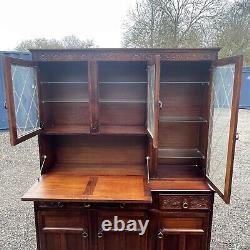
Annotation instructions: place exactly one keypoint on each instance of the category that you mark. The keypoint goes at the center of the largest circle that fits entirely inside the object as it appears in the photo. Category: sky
(100, 20)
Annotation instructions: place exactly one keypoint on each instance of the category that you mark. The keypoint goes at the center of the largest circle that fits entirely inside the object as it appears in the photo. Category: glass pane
(221, 103)
(24, 83)
(151, 93)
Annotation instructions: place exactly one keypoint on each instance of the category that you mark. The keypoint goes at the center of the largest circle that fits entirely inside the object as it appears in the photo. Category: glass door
(153, 101)
(225, 91)
(22, 96)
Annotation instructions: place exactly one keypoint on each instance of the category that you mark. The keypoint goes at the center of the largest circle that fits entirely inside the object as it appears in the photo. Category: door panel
(122, 240)
(153, 99)
(224, 103)
(63, 231)
(22, 96)
(183, 231)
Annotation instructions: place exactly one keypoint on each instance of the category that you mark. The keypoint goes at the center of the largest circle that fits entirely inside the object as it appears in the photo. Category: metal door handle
(237, 136)
(160, 235)
(100, 234)
(160, 104)
(85, 234)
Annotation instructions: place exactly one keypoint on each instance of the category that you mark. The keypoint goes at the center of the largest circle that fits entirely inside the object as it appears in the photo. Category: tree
(67, 42)
(170, 23)
(232, 30)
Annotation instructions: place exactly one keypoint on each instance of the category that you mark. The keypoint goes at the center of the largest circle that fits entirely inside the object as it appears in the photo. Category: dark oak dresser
(142, 134)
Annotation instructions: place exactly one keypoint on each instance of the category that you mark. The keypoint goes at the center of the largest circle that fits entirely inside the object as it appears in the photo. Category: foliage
(190, 23)
(68, 42)
(233, 31)
(170, 23)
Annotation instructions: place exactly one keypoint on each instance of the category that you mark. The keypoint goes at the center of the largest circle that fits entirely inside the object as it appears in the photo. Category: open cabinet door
(153, 99)
(225, 92)
(22, 97)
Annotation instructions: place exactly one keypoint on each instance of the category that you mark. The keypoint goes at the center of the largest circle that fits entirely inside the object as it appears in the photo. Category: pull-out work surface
(77, 188)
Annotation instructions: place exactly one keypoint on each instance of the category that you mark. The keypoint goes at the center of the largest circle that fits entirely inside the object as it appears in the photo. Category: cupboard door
(153, 101)
(22, 96)
(183, 231)
(125, 239)
(224, 103)
(63, 231)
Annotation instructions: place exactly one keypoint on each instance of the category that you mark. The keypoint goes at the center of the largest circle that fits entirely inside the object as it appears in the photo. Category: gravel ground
(19, 170)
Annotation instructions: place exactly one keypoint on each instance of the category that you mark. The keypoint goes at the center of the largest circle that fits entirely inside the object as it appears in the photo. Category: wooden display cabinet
(135, 133)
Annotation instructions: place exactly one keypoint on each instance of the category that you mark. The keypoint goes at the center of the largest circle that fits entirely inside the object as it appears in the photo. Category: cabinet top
(125, 54)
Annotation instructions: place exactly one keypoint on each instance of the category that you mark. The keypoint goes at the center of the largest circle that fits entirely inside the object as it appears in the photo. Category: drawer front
(185, 202)
(93, 205)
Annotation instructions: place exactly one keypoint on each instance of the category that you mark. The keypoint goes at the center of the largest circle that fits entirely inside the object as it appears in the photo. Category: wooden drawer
(185, 202)
(93, 205)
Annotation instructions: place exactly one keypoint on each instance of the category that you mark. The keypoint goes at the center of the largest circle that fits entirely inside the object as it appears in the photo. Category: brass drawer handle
(185, 205)
(85, 234)
(87, 205)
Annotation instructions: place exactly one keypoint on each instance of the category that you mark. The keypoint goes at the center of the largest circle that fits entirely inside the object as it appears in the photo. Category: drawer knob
(185, 205)
(122, 205)
(160, 235)
(60, 204)
(87, 205)
(85, 234)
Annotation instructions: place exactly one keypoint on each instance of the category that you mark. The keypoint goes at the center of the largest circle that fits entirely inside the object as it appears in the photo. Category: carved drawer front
(185, 202)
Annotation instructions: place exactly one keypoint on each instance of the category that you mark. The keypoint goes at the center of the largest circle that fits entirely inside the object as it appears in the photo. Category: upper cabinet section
(64, 97)
(22, 96)
(97, 91)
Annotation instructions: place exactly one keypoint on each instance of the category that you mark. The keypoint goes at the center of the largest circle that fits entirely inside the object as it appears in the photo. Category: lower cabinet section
(175, 223)
(183, 231)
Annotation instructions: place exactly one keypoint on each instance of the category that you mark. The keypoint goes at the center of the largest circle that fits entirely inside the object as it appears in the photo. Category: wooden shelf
(67, 130)
(182, 119)
(179, 172)
(66, 101)
(125, 101)
(64, 82)
(196, 185)
(180, 154)
(183, 82)
(123, 130)
(108, 130)
(123, 82)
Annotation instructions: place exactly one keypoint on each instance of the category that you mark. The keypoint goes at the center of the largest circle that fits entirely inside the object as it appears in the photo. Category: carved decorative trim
(190, 201)
(130, 55)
